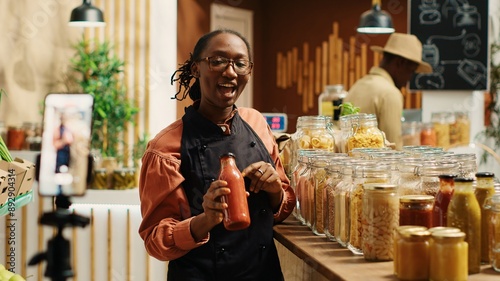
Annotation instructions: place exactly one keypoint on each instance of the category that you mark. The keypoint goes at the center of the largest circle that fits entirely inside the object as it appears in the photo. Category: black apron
(248, 254)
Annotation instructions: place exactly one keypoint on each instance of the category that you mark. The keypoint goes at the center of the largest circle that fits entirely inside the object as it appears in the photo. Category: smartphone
(64, 157)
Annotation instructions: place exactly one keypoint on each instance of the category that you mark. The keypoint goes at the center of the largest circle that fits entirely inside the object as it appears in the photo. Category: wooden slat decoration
(333, 63)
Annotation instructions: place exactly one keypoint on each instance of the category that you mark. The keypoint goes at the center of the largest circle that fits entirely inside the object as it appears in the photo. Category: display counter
(333, 262)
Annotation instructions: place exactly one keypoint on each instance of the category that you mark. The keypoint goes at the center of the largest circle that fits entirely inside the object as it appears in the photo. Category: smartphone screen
(64, 160)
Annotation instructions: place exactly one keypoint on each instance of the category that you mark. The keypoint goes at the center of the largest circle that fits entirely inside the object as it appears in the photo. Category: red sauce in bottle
(236, 216)
(442, 200)
(416, 210)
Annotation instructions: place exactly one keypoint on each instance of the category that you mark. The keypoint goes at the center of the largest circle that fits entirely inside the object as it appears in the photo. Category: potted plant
(491, 133)
(99, 73)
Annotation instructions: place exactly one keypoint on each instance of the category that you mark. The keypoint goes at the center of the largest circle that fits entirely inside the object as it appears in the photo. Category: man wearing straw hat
(379, 92)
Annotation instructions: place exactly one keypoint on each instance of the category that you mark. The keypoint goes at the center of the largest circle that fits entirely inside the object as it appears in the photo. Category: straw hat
(407, 46)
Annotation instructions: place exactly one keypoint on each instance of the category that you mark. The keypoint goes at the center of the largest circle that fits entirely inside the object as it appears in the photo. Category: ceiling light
(375, 20)
(86, 15)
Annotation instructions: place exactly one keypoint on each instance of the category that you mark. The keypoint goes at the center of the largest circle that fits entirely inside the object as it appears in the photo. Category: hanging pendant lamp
(86, 15)
(375, 21)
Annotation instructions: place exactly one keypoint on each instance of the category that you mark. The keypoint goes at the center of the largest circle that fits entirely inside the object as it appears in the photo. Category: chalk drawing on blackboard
(467, 15)
(429, 14)
(473, 72)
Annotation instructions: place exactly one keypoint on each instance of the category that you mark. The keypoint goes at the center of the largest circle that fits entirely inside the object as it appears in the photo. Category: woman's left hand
(264, 177)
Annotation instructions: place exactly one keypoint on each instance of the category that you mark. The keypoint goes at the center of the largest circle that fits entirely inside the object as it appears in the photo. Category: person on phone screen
(63, 138)
(180, 194)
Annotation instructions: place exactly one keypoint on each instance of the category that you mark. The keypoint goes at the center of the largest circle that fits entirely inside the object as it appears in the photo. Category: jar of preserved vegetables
(124, 178)
(367, 173)
(365, 133)
(380, 218)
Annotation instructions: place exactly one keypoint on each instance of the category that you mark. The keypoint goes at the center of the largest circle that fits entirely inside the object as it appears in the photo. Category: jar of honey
(397, 237)
(416, 210)
(448, 256)
(414, 255)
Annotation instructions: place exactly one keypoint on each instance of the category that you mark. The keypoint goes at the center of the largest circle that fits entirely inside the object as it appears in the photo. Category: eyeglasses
(219, 64)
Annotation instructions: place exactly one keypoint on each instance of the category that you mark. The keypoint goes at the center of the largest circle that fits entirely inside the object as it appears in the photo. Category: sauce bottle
(464, 213)
(236, 216)
(485, 188)
(442, 200)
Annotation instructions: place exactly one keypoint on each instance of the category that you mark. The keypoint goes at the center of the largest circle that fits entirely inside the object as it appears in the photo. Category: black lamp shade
(86, 15)
(375, 21)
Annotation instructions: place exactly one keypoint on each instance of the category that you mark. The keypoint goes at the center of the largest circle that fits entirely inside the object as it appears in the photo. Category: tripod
(57, 255)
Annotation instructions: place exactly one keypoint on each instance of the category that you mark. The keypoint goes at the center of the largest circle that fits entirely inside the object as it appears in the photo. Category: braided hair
(183, 74)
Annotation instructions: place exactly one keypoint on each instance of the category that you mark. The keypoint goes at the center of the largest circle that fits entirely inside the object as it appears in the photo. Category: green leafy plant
(348, 108)
(492, 131)
(100, 75)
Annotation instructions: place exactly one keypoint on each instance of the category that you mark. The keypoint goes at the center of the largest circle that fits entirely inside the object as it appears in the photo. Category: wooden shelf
(337, 263)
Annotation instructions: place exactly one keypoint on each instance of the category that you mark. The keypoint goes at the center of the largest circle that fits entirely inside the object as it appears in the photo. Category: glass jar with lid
(416, 210)
(409, 182)
(345, 129)
(366, 173)
(397, 237)
(365, 133)
(442, 122)
(428, 134)
(411, 133)
(493, 205)
(380, 217)
(333, 178)
(341, 202)
(413, 255)
(448, 256)
(430, 171)
(15, 137)
(462, 124)
(467, 164)
(124, 178)
(29, 134)
(330, 100)
(300, 182)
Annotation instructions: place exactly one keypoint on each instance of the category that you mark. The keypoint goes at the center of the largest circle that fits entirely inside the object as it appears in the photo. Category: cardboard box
(4, 194)
(24, 171)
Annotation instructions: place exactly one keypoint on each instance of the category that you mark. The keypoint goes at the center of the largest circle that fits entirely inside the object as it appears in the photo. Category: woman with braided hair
(179, 190)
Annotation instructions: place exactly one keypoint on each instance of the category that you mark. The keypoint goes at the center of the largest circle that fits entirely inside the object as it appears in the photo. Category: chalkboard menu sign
(454, 36)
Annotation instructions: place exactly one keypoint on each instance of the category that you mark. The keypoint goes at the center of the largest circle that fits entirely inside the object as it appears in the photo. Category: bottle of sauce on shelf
(464, 213)
(442, 200)
(485, 188)
(236, 216)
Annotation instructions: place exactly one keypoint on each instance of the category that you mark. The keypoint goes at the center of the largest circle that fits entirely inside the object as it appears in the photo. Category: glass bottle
(414, 255)
(493, 205)
(428, 135)
(442, 200)
(416, 210)
(370, 172)
(345, 129)
(380, 218)
(330, 100)
(236, 216)
(464, 213)
(448, 256)
(365, 133)
(485, 188)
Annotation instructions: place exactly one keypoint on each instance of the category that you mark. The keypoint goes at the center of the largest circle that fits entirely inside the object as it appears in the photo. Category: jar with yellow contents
(493, 205)
(413, 255)
(448, 256)
(365, 133)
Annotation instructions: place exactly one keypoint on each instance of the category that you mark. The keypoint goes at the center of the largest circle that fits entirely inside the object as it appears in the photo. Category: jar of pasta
(365, 133)
(312, 133)
(442, 122)
(380, 218)
(318, 182)
(341, 201)
(367, 173)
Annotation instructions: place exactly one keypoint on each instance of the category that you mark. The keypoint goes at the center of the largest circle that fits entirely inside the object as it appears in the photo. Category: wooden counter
(333, 262)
